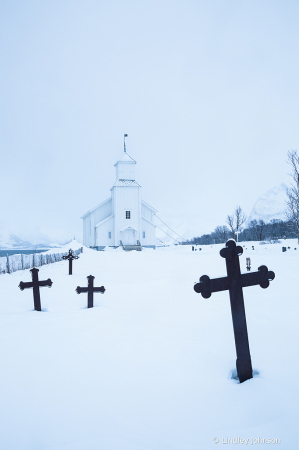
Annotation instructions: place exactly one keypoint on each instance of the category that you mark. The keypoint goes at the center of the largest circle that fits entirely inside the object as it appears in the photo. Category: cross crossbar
(207, 286)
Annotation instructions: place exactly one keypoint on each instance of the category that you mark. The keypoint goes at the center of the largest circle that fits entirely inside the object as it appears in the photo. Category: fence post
(33, 260)
(7, 263)
(22, 261)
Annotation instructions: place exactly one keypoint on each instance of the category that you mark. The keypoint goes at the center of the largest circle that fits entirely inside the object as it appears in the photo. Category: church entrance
(129, 236)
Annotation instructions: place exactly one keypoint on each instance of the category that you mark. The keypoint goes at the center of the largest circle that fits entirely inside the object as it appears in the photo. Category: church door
(129, 237)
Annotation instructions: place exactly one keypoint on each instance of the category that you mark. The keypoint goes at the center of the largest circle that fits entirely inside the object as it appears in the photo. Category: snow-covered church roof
(122, 183)
(126, 159)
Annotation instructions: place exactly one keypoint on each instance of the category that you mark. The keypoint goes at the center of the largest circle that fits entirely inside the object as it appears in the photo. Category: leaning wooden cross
(70, 256)
(90, 289)
(35, 284)
(234, 283)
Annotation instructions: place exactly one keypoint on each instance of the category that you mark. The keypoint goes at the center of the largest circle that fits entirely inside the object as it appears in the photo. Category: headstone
(248, 264)
(90, 289)
(193, 248)
(234, 283)
(253, 247)
(284, 249)
(35, 284)
(70, 256)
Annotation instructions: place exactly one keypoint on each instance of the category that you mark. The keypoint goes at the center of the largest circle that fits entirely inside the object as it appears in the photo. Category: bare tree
(292, 212)
(221, 234)
(236, 221)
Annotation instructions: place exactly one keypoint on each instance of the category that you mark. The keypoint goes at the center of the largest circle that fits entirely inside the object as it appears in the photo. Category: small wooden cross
(35, 284)
(70, 256)
(234, 283)
(90, 289)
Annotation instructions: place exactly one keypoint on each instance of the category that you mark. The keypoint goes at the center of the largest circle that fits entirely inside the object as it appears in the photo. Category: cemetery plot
(151, 368)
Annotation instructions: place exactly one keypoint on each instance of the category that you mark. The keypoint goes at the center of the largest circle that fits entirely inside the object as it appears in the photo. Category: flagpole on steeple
(125, 150)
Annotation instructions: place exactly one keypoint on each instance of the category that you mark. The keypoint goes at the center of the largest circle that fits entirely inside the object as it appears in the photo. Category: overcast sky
(207, 92)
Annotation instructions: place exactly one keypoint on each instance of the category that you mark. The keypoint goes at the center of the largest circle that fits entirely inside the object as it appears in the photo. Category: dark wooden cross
(234, 283)
(90, 289)
(35, 284)
(70, 256)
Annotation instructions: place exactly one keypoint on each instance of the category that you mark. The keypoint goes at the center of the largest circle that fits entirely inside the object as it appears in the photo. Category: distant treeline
(256, 231)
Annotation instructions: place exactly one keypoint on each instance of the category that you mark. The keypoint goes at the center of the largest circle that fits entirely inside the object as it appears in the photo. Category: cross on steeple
(36, 285)
(70, 256)
(125, 150)
(234, 283)
(90, 289)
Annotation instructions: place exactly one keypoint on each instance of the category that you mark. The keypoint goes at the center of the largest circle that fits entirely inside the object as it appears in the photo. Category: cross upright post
(90, 289)
(234, 283)
(35, 284)
(70, 256)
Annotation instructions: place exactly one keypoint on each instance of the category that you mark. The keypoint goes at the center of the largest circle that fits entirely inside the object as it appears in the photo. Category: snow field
(149, 367)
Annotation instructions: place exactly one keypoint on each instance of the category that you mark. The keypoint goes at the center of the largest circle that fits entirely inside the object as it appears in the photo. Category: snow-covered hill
(270, 205)
(150, 366)
(30, 239)
(9, 241)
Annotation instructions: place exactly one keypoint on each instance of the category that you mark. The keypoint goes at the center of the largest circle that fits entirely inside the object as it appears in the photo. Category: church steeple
(125, 150)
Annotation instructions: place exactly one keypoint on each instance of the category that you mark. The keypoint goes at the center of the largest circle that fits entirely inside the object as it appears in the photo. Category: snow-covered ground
(149, 367)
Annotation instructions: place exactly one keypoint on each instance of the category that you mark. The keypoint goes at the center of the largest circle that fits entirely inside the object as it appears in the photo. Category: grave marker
(248, 264)
(35, 284)
(234, 283)
(70, 256)
(90, 289)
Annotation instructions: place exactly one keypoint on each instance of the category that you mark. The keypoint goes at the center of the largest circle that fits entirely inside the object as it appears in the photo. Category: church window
(109, 234)
(128, 214)
(143, 234)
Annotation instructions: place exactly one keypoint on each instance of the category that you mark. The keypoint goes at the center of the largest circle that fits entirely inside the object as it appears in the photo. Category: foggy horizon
(207, 94)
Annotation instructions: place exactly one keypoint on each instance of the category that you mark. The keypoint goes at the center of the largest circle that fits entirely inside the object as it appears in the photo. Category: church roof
(126, 159)
(148, 206)
(90, 211)
(124, 183)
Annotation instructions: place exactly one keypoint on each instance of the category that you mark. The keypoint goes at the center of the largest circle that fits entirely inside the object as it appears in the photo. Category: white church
(123, 219)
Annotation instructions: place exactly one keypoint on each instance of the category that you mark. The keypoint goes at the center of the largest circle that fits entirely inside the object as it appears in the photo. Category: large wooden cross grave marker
(35, 284)
(234, 283)
(70, 256)
(90, 289)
